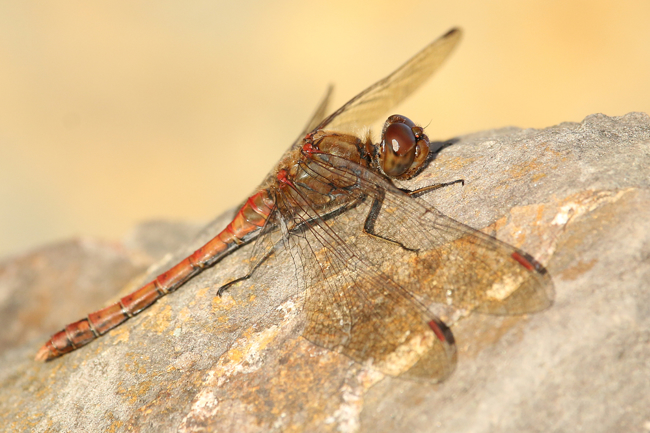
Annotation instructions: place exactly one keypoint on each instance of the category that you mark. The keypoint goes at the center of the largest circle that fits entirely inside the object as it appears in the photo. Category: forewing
(320, 113)
(317, 117)
(378, 99)
(351, 306)
(438, 259)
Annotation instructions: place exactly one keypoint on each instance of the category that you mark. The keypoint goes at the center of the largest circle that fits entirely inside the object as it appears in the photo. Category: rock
(575, 196)
(41, 290)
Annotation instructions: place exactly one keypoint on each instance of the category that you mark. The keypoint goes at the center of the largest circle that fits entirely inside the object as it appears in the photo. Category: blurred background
(112, 113)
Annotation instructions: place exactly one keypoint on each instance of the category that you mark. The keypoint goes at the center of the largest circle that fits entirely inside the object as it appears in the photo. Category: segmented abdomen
(244, 226)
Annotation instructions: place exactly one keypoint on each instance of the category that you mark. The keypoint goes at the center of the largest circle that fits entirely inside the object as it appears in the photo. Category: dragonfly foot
(227, 285)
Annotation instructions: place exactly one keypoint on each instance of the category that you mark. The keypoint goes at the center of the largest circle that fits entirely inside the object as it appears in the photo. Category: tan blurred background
(117, 112)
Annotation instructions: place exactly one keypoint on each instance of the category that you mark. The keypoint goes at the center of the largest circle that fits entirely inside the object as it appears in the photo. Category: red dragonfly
(374, 259)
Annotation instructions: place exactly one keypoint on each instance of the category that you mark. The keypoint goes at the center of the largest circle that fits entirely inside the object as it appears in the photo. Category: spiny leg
(426, 189)
(371, 219)
(375, 208)
(298, 229)
(226, 286)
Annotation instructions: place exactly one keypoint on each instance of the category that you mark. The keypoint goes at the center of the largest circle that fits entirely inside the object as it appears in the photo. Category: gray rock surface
(576, 196)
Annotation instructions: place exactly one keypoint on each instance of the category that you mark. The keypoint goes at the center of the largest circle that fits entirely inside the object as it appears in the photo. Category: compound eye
(404, 148)
(397, 149)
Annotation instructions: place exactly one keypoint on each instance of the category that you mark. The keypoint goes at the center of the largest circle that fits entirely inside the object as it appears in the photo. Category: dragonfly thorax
(346, 146)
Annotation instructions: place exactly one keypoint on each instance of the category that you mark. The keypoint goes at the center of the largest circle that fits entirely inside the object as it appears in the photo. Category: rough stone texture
(576, 196)
(59, 282)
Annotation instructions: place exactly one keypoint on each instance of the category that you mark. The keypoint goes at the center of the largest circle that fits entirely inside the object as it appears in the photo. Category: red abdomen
(244, 227)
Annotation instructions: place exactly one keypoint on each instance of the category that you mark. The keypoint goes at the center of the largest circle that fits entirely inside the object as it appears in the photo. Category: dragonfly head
(403, 149)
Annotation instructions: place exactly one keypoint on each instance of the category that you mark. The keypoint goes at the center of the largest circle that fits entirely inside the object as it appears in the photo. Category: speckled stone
(575, 196)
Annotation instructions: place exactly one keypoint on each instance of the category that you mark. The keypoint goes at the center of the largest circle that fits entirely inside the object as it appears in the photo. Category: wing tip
(454, 31)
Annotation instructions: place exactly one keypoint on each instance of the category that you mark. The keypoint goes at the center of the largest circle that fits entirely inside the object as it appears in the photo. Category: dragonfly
(373, 259)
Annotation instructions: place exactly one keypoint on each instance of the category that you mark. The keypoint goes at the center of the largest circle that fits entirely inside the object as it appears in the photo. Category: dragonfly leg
(369, 225)
(424, 190)
(373, 214)
(230, 283)
(226, 286)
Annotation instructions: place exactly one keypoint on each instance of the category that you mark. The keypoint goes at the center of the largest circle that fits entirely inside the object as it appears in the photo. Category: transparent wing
(452, 263)
(353, 308)
(320, 112)
(368, 298)
(376, 100)
(317, 117)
